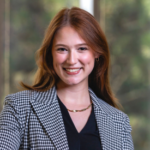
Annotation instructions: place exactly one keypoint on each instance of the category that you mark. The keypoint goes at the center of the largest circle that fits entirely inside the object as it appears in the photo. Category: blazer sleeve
(10, 125)
(127, 138)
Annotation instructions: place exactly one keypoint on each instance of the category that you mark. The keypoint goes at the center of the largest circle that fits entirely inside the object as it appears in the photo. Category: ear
(97, 55)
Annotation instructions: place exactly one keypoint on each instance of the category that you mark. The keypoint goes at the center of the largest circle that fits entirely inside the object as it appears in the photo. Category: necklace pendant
(81, 109)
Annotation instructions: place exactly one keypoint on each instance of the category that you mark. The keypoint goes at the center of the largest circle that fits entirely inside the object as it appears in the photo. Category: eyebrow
(75, 45)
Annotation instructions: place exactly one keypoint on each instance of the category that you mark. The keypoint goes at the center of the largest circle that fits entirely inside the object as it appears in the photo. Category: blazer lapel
(105, 124)
(48, 111)
(102, 123)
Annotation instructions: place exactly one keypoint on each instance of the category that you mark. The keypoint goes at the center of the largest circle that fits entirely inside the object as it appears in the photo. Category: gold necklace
(81, 109)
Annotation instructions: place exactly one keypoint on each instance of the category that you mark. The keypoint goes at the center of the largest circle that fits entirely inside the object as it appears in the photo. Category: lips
(72, 71)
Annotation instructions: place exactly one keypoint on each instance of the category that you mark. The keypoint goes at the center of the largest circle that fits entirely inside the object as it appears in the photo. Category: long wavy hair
(88, 28)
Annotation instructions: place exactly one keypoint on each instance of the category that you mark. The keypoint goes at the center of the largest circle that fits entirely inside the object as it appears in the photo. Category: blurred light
(87, 5)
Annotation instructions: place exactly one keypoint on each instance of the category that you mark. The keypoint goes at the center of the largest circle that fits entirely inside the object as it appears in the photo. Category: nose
(72, 57)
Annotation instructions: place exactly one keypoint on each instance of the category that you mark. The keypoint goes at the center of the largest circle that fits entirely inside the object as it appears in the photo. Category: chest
(44, 127)
(80, 119)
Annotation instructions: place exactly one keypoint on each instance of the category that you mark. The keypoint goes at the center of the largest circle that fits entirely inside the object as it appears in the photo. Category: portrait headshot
(71, 94)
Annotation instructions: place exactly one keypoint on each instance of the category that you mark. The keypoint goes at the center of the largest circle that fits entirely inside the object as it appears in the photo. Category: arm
(9, 125)
(127, 143)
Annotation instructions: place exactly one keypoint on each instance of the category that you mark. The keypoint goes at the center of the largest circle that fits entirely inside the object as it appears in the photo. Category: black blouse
(88, 138)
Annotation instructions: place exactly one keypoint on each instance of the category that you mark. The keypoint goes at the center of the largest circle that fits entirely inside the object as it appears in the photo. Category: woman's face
(73, 59)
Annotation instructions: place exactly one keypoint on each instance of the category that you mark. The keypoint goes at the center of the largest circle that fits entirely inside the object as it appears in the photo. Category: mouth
(72, 71)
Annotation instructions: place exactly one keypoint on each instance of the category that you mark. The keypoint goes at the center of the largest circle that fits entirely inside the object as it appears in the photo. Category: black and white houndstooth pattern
(33, 120)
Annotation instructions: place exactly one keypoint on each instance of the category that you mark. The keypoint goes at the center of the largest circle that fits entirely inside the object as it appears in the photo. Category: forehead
(68, 35)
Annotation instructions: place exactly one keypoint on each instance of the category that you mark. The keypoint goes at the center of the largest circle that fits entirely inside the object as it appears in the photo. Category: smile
(72, 71)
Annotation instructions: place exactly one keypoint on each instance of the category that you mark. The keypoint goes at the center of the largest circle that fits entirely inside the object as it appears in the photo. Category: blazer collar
(49, 114)
(48, 111)
(50, 96)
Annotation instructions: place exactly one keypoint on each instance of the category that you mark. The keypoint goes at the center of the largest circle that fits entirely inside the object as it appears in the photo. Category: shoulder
(115, 114)
(20, 97)
(108, 109)
(104, 106)
(119, 121)
(19, 102)
(25, 97)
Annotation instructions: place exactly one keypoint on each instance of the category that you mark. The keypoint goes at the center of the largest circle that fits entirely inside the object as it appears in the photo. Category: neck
(73, 94)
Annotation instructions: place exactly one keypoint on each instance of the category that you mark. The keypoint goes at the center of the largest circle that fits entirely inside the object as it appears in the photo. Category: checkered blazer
(33, 120)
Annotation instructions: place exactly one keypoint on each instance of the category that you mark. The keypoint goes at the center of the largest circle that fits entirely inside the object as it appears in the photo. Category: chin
(72, 82)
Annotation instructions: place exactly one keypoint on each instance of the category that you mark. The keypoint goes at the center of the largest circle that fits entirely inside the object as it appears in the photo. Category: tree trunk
(97, 10)
(7, 47)
(1, 51)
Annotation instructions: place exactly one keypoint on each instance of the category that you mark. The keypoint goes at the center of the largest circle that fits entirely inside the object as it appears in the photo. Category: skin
(70, 51)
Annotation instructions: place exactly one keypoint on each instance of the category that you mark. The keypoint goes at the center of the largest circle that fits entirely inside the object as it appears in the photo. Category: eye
(61, 49)
(82, 48)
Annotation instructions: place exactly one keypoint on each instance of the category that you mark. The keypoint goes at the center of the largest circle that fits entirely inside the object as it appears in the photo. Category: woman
(70, 106)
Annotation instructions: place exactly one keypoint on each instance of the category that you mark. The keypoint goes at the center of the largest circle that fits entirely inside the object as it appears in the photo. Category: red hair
(88, 28)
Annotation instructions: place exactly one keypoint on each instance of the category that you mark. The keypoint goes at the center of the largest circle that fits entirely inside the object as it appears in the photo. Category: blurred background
(126, 25)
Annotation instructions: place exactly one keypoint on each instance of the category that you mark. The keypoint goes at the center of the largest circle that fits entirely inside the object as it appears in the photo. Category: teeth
(72, 70)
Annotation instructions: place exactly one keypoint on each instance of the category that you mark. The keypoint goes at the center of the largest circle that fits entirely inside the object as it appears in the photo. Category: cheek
(58, 59)
(88, 59)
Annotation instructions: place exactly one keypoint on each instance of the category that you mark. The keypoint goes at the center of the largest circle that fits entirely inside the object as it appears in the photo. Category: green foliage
(140, 132)
(128, 33)
(29, 19)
